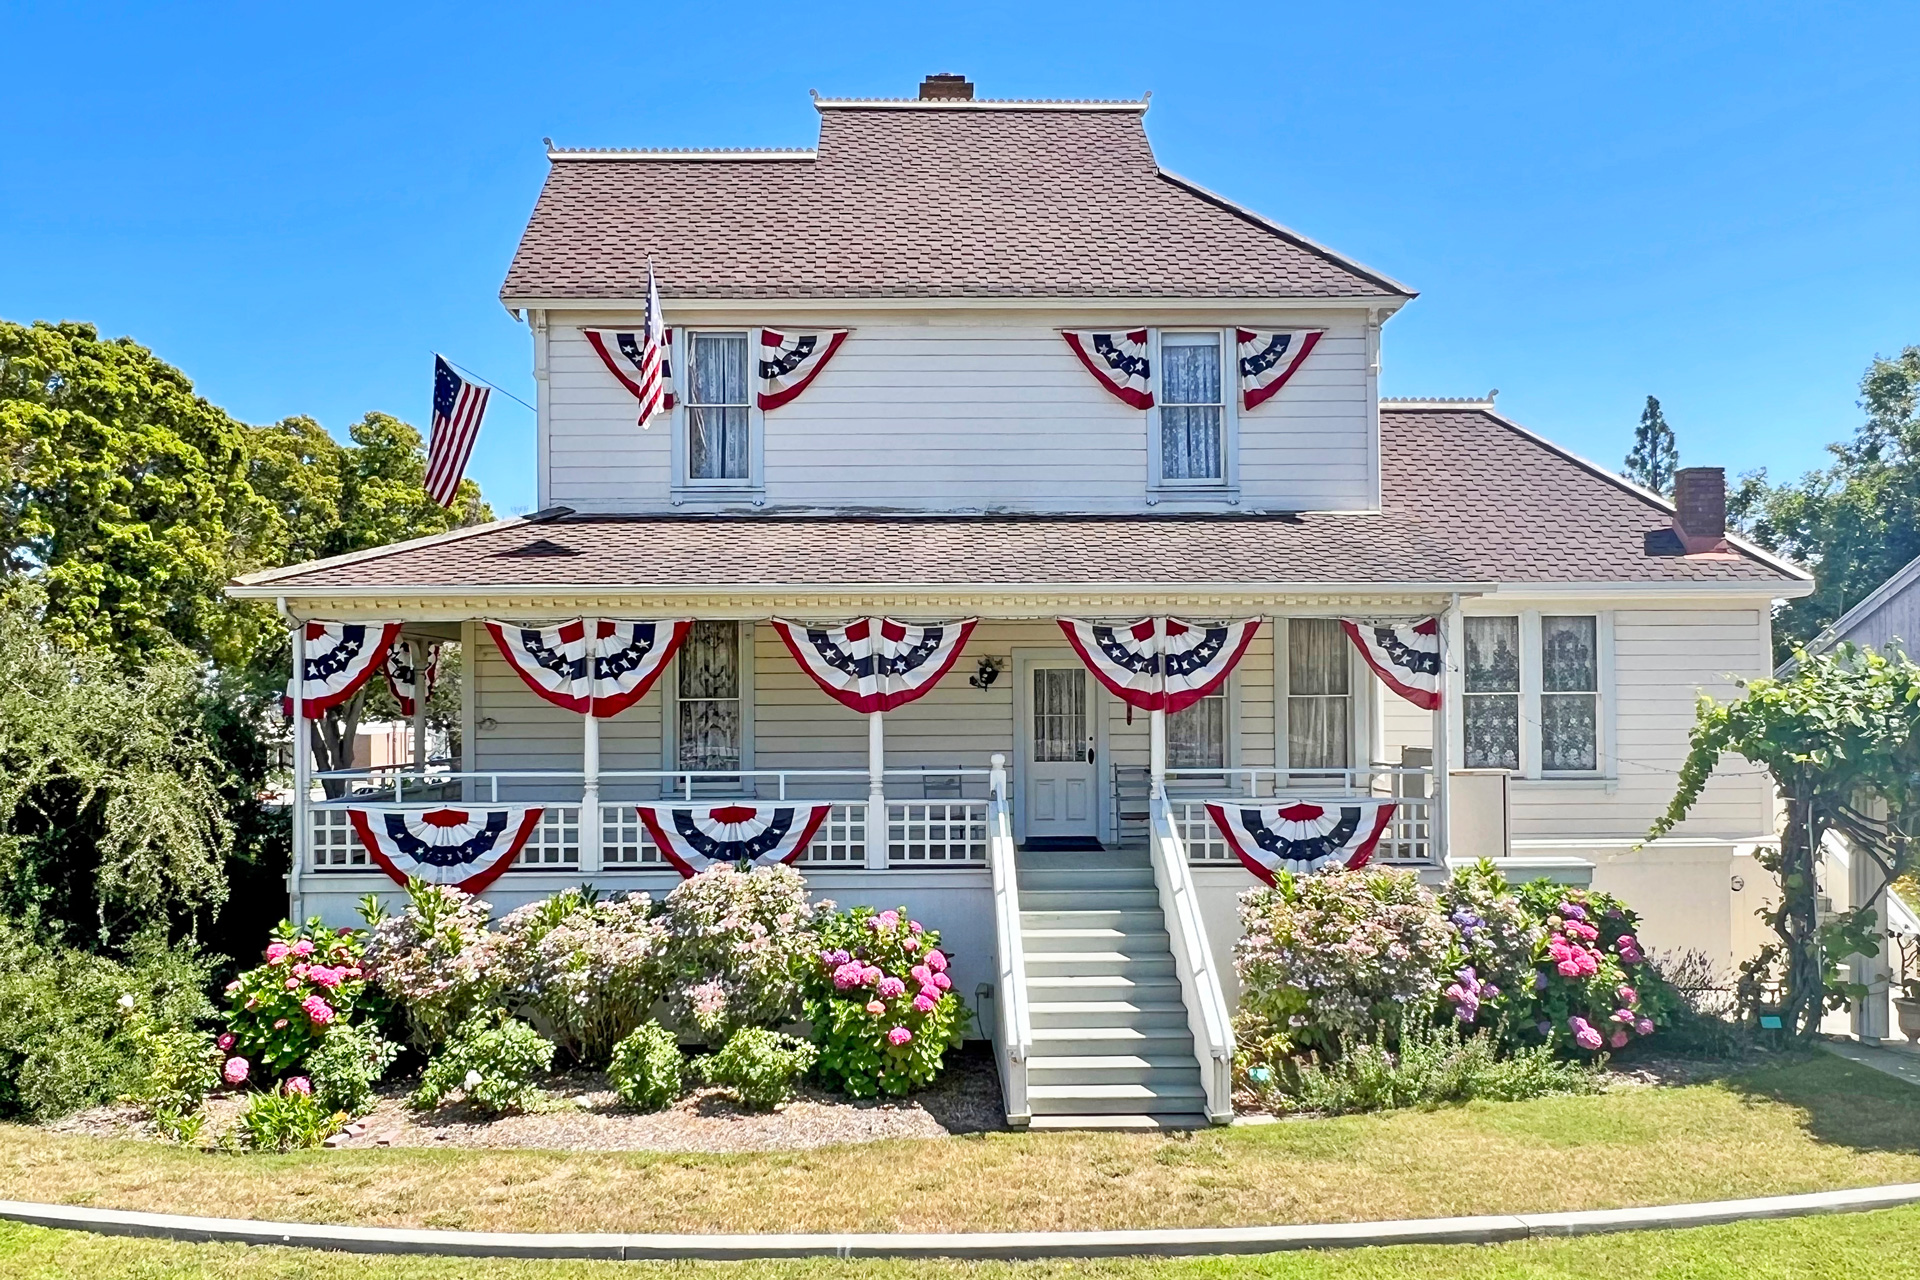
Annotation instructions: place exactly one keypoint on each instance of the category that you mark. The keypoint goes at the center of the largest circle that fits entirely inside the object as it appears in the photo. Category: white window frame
(1359, 704)
(670, 714)
(1532, 660)
(1229, 480)
(685, 486)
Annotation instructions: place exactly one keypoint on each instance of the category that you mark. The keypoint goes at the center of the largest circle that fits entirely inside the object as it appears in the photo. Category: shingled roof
(1469, 498)
(957, 199)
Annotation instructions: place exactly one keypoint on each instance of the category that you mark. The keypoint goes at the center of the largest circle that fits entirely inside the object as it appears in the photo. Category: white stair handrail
(1208, 1017)
(1014, 1019)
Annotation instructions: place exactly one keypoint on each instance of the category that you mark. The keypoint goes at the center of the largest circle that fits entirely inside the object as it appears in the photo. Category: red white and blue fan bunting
(624, 353)
(339, 658)
(1118, 360)
(789, 361)
(1301, 837)
(403, 670)
(625, 658)
(1185, 664)
(466, 848)
(1405, 655)
(1268, 358)
(696, 837)
(628, 657)
(876, 664)
(552, 661)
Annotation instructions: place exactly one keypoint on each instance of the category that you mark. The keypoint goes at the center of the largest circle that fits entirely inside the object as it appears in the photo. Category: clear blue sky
(1714, 204)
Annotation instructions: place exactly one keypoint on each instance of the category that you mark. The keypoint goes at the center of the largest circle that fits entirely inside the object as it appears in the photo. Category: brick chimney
(946, 85)
(1700, 509)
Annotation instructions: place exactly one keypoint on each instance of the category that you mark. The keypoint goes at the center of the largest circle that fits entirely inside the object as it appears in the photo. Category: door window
(1059, 715)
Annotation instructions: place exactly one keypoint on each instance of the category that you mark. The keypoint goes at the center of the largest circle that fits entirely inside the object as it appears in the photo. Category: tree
(1655, 455)
(1855, 522)
(1841, 738)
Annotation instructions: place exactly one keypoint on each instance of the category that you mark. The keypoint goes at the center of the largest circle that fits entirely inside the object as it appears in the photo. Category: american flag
(652, 387)
(458, 406)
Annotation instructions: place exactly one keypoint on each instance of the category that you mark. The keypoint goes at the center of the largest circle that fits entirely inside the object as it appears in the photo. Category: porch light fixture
(986, 673)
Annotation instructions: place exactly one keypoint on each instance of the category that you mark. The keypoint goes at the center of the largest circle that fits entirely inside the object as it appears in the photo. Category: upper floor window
(1532, 694)
(718, 394)
(1192, 408)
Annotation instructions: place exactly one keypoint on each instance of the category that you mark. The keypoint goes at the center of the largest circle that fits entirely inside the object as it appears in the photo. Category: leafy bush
(1429, 1067)
(65, 1040)
(1593, 988)
(175, 1068)
(647, 1068)
(280, 1010)
(759, 1066)
(435, 960)
(346, 1066)
(588, 970)
(1326, 960)
(495, 1060)
(882, 1007)
(738, 945)
(287, 1118)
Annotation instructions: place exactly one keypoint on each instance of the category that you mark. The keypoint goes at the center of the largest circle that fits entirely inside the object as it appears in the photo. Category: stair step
(1125, 920)
(1110, 1099)
(1042, 942)
(1097, 881)
(1032, 899)
(1077, 860)
(1152, 1018)
(1098, 964)
(1084, 1042)
(1153, 988)
(1099, 1071)
(1172, 1120)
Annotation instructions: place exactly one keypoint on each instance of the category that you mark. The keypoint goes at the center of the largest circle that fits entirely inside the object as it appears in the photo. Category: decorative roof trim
(1288, 233)
(677, 153)
(1138, 107)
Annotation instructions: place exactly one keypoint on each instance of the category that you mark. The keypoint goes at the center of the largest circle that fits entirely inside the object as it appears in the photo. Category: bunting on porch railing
(1118, 360)
(1302, 837)
(465, 848)
(404, 671)
(624, 352)
(1268, 358)
(1405, 655)
(1183, 665)
(696, 837)
(624, 659)
(789, 361)
(876, 664)
(339, 658)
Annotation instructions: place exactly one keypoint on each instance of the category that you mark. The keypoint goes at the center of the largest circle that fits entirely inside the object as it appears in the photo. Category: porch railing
(1209, 1020)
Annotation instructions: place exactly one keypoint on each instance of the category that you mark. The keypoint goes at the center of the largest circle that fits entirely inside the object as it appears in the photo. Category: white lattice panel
(841, 840)
(624, 841)
(937, 832)
(333, 843)
(556, 841)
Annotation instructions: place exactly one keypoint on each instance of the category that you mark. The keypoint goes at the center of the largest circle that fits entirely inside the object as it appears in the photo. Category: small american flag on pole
(458, 406)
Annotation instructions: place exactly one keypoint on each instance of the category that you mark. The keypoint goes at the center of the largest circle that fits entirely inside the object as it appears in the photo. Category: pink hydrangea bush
(881, 1002)
(1590, 988)
(280, 1010)
(437, 960)
(736, 946)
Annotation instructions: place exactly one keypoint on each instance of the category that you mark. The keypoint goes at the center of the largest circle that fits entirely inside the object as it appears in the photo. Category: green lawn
(1868, 1246)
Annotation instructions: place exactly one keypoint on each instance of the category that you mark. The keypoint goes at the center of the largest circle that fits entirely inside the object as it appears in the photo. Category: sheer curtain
(710, 696)
(1190, 406)
(717, 407)
(1319, 689)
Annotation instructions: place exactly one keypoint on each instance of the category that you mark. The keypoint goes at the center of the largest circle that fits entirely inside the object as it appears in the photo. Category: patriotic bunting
(1118, 360)
(789, 361)
(1183, 665)
(624, 354)
(1301, 838)
(694, 838)
(624, 659)
(1406, 656)
(403, 669)
(1268, 359)
(876, 664)
(465, 848)
(339, 658)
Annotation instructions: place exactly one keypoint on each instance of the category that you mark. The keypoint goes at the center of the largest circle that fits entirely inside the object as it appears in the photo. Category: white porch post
(1440, 813)
(876, 791)
(302, 777)
(590, 764)
(417, 653)
(1157, 719)
(1875, 973)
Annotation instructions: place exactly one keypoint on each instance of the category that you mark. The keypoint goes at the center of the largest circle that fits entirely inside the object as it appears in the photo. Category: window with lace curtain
(1532, 694)
(717, 408)
(1492, 703)
(1319, 695)
(1569, 695)
(708, 702)
(1192, 409)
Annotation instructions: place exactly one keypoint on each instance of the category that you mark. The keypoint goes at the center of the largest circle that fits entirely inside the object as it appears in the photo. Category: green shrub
(346, 1066)
(647, 1068)
(587, 969)
(287, 1118)
(174, 1067)
(738, 944)
(436, 960)
(1429, 1067)
(759, 1066)
(494, 1059)
(881, 1005)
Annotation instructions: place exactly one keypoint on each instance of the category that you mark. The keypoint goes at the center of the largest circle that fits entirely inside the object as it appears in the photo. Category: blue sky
(1715, 204)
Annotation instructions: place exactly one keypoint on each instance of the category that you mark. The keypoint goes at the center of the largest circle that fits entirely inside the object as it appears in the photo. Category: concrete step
(1120, 1099)
(1086, 882)
(1099, 964)
(1101, 1070)
(1042, 900)
(1077, 988)
(1126, 921)
(1173, 1043)
(1058, 941)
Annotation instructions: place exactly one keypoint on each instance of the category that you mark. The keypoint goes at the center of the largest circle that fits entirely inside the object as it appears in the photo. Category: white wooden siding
(931, 414)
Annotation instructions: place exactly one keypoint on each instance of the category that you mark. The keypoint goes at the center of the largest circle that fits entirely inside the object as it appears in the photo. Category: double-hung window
(1532, 693)
(708, 709)
(1193, 410)
(1569, 695)
(1197, 733)
(1319, 695)
(1492, 716)
(718, 396)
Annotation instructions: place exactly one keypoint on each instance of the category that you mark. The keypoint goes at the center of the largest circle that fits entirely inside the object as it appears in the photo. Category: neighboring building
(956, 458)
(1886, 621)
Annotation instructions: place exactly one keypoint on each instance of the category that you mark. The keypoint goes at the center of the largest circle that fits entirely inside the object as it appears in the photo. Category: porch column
(302, 779)
(590, 764)
(1157, 719)
(1867, 888)
(1440, 813)
(876, 791)
(417, 651)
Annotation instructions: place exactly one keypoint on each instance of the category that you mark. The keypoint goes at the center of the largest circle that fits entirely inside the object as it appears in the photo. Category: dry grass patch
(1798, 1125)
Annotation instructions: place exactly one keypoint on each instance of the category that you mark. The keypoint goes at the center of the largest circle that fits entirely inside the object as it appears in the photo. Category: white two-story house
(987, 360)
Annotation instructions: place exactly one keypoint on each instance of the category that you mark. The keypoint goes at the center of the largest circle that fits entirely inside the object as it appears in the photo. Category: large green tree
(1655, 454)
(1856, 521)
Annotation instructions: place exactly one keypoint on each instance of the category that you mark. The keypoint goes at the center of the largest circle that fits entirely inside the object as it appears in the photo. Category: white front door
(1059, 767)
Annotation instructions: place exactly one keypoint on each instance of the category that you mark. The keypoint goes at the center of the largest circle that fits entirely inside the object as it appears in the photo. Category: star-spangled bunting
(1302, 837)
(465, 848)
(1185, 663)
(1405, 655)
(790, 361)
(1269, 357)
(339, 658)
(696, 837)
(605, 676)
(1119, 361)
(876, 664)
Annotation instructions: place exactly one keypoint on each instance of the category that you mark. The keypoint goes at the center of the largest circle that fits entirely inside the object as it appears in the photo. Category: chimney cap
(945, 84)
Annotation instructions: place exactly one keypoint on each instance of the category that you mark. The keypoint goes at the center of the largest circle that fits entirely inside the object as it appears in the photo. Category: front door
(1060, 793)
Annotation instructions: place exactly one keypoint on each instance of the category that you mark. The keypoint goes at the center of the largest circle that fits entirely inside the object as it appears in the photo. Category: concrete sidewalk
(1896, 1058)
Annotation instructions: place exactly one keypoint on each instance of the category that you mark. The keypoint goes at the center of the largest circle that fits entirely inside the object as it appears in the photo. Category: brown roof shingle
(1469, 498)
(952, 202)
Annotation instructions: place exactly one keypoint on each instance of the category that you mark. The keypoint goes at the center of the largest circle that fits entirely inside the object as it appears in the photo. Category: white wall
(960, 411)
